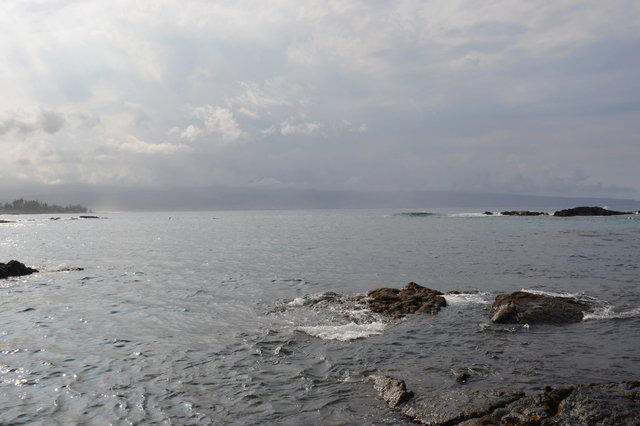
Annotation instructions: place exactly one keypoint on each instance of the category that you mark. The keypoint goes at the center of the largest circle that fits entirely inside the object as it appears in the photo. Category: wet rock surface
(588, 211)
(13, 268)
(530, 308)
(393, 391)
(600, 404)
(453, 408)
(411, 299)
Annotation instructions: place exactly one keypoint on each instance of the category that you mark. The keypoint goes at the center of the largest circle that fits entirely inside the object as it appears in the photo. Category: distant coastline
(21, 206)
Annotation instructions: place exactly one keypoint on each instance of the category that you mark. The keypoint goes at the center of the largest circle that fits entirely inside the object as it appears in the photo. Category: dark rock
(523, 213)
(14, 269)
(606, 405)
(452, 408)
(411, 299)
(89, 217)
(5, 221)
(393, 391)
(588, 211)
(463, 377)
(488, 213)
(529, 308)
(601, 404)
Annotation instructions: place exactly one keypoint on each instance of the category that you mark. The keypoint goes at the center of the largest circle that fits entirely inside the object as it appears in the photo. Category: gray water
(200, 318)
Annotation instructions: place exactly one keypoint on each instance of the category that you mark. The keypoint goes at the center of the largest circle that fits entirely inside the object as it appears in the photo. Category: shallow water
(201, 317)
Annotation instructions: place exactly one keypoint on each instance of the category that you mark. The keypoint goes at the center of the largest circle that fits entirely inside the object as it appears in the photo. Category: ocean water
(208, 317)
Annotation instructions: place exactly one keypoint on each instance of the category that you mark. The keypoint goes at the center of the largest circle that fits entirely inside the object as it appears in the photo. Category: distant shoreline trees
(22, 206)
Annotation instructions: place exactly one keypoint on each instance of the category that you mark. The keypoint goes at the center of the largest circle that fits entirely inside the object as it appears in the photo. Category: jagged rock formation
(393, 391)
(411, 299)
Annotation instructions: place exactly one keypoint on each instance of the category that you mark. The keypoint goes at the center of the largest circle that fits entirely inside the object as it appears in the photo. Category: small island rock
(13, 268)
(588, 211)
(530, 308)
(523, 213)
(411, 299)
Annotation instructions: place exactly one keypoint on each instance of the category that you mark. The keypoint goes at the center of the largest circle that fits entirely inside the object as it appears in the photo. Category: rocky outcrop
(393, 391)
(411, 299)
(588, 211)
(601, 404)
(13, 268)
(523, 213)
(455, 407)
(530, 308)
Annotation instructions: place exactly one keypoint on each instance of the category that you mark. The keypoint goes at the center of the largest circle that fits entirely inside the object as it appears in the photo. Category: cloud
(135, 145)
(217, 121)
(394, 95)
(47, 121)
(289, 127)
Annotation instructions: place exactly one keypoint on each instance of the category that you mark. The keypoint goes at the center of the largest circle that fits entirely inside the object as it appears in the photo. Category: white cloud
(287, 127)
(218, 121)
(133, 144)
(409, 85)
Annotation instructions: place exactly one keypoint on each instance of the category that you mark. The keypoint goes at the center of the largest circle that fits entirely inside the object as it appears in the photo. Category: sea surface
(207, 317)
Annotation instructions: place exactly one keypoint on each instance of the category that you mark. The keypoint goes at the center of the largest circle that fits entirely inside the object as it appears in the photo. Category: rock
(452, 408)
(609, 404)
(393, 391)
(529, 308)
(488, 213)
(89, 217)
(588, 211)
(602, 404)
(6, 221)
(523, 213)
(411, 299)
(463, 377)
(606, 405)
(14, 269)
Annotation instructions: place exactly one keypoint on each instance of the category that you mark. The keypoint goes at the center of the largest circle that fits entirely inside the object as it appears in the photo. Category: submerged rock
(529, 308)
(523, 213)
(393, 391)
(15, 269)
(588, 211)
(411, 299)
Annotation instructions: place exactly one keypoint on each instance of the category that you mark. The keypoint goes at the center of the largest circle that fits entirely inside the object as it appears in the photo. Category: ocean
(207, 317)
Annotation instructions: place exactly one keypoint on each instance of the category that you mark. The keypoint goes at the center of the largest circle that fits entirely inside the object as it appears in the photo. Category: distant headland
(22, 206)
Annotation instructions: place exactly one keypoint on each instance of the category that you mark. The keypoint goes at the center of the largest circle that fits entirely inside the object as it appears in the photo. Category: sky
(527, 97)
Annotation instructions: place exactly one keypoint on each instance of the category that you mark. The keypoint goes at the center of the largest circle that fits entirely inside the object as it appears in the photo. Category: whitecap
(608, 312)
(344, 332)
(466, 299)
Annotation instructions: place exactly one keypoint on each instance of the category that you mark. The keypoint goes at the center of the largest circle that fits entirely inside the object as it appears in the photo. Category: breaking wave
(332, 316)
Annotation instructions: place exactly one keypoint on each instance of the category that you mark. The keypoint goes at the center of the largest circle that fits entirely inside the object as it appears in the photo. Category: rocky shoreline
(604, 404)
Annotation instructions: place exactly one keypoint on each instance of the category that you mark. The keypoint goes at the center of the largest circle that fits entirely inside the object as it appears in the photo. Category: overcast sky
(532, 97)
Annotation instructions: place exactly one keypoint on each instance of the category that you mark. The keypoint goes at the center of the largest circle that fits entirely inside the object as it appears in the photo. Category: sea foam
(345, 332)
